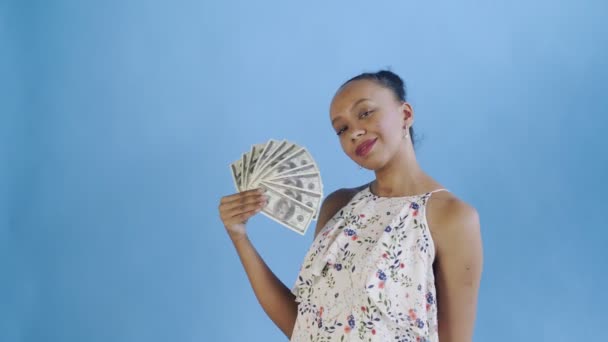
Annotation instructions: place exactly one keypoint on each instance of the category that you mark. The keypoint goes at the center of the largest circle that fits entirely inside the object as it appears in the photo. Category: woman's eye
(365, 114)
(341, 130)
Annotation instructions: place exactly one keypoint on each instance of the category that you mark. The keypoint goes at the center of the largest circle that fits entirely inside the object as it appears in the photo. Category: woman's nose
(356, 133)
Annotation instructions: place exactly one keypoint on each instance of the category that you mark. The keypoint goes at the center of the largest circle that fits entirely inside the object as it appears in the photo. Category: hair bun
(390, 76)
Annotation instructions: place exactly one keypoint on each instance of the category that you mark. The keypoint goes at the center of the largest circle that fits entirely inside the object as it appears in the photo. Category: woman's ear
(408, 114)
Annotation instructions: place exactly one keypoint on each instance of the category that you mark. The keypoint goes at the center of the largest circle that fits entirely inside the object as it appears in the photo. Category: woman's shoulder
(445, 208)
(448, 216)
(344, 194)
(334, 202)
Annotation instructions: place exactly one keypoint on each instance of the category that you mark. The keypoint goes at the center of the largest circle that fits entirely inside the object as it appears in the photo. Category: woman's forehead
(354, 92)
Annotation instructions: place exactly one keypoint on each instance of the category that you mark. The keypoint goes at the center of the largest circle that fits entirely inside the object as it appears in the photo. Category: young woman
(397, 259)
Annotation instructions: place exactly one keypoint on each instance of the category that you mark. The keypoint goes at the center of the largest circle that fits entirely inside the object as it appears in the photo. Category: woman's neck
(401, 177)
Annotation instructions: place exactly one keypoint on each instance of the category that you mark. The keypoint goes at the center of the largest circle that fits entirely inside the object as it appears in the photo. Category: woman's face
(369, 121)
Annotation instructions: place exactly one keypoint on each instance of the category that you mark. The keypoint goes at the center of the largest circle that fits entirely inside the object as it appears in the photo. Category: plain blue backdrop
(119, 119)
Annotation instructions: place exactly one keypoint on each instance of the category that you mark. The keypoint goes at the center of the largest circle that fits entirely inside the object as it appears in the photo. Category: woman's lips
(364, 147)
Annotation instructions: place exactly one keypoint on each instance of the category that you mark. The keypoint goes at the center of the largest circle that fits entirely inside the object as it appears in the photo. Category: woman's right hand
(237, 208)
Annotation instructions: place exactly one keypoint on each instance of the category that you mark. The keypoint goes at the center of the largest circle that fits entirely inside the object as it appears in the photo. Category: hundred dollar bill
(287, 169)
(305, 181)
(254, 155)
(276, 157)
(268, 149)
(299, 158)
(245, 167)
(267, 156)
(308, 198)
(284, 210)
(237, 174)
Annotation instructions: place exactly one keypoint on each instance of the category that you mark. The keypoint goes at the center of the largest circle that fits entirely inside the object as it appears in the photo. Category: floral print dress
(368, 276)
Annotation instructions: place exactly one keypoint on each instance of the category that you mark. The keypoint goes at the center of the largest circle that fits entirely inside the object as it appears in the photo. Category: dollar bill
(299, 158)
(286, 170)
(284, 210)
(276, 157)
(268, 149)
(305, 197)
(237, 174)
(305, 181)
(269, 155)
(245, 167)
(254, 155)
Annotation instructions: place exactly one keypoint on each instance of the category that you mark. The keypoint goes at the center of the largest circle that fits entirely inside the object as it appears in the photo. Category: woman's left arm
(458, 266)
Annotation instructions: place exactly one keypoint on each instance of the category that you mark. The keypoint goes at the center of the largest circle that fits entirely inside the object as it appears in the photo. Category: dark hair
(391, 81)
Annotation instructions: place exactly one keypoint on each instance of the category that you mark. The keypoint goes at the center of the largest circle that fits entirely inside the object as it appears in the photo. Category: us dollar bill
(270, 155)
(308, 198)
(254, 155)
(305, 181)
(268, 149)
(298, 158)
(284, 210)
(237, 174)
(276, 157)
(288, 169)
(245, 167)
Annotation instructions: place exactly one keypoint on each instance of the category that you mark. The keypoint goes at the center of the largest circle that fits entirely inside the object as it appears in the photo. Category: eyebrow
(353, 106)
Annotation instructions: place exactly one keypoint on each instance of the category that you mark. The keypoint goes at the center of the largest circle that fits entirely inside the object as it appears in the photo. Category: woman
(397, 259)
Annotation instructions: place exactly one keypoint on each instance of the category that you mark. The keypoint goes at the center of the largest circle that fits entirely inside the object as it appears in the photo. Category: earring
(405, 132)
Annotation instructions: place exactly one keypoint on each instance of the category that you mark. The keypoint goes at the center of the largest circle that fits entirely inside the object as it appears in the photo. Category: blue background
(119, 119)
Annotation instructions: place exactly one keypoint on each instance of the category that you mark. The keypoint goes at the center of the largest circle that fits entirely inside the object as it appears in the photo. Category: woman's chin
(369, 164)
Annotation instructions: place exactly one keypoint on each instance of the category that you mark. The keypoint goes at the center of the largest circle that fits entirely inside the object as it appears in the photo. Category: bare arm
(275, 298)
(458, 271)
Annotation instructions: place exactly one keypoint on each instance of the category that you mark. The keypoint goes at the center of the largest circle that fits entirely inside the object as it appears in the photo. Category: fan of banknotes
(291, 179)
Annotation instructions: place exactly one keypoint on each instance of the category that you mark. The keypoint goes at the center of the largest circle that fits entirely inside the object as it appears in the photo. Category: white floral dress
(368, 275)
